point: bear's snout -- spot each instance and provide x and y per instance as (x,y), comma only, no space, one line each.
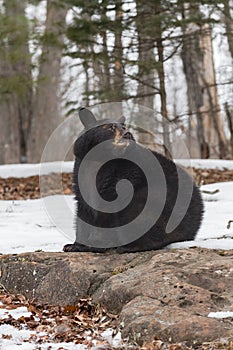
(122,139)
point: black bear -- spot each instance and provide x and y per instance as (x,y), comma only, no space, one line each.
(162,207)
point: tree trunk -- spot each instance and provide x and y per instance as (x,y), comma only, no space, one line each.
(163,97)
(15,84)
(191,63)
(211,115)
(229,25)
(46,114)
(197,56)
(101,64)
(146,74)
(229,114)
(118,78)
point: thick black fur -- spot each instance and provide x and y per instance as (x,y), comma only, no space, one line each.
(118,169)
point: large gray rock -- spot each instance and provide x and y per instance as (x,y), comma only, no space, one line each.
(166,293)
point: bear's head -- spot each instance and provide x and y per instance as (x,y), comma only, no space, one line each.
(98,131)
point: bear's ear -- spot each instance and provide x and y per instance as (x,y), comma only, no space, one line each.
(87,118)
(121,120)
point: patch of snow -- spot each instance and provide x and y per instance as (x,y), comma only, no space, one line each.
(26,226)
(15,313)
(214,233)
(221,314)
(206,163)
(25,339)
(26,170)
(115,341)
(19,339)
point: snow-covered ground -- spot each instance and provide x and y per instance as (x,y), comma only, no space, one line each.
(26,170)
(26,339)
(206,163)
(214,233)
(30,225)
(47,224)
(19,339)
(26,226)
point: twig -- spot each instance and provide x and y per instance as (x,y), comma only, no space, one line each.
(3,288)
(210,192)
(229,224)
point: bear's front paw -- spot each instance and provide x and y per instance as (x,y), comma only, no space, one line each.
(72,248)
(76,247)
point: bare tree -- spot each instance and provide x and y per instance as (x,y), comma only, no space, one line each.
(197,56)
(229,25)
(15,84)
(101,61)
(146,71)
(46,114)
(229,114)
(163,94)
(118,83)
(211,114)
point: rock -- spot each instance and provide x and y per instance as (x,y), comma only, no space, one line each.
(166,294)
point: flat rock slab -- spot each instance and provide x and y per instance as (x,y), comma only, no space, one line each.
(166,293)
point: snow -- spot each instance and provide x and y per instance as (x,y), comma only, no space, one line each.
(47,224)
(218,211)
(15,313)
(221,314)
(115,341)
(206,163)
(19,339)
(214,233)
(13,338)
(25,226)
(26,170)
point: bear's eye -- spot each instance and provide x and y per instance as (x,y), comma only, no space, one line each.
(112,127)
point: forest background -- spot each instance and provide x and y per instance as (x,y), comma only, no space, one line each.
(173,57)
